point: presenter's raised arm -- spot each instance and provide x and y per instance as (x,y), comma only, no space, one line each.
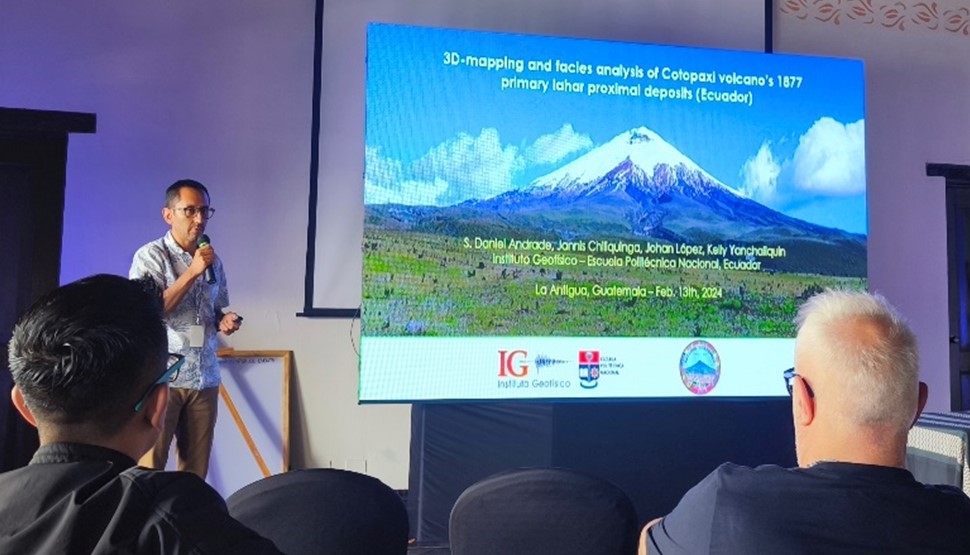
(174,294)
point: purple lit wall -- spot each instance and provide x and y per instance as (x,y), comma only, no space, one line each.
(181,89)
(218,91)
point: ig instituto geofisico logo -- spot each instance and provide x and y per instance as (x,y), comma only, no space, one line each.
(516,365)
(513,364)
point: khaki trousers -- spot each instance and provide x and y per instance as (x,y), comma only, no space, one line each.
(191,418)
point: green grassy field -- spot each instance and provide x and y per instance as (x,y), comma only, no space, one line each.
(423,284)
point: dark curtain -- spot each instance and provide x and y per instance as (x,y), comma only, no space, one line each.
(33,170)
(19,439)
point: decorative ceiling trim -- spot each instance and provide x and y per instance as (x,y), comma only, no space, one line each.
(897,15)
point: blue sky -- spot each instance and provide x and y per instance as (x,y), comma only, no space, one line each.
(439,133)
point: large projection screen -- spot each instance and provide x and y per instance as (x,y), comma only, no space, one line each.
(561,218)
(332,285)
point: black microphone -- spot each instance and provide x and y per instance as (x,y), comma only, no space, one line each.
(209,275)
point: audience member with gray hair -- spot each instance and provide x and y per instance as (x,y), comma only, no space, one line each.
(855,394)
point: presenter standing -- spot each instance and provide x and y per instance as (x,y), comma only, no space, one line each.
(195,296)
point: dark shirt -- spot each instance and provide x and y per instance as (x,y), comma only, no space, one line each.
(828,508)
(75,499)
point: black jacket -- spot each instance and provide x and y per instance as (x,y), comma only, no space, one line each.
(75,498)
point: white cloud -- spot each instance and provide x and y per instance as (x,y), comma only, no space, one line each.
(831,158)
(463,167)
(473,167)
(379,170)
(553,147)
(760,175)
(375,194)
(414,193)
(383,183)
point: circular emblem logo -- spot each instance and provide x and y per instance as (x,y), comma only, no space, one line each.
(700,367)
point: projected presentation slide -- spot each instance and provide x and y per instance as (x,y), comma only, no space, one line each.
(555,218)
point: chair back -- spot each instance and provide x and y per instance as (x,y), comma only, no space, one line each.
(543,511)
(324,511)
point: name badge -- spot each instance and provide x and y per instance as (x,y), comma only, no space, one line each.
(196,335)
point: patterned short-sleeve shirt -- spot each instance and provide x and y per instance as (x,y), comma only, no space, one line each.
(164,261)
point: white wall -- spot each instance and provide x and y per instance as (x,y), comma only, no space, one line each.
(220,91)
(917,111)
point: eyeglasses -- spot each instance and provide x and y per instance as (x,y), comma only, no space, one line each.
(193,211)
(169,375)
(790,375)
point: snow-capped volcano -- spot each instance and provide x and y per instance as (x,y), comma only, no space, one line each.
(639,150)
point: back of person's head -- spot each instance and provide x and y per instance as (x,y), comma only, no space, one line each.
(84,353)
(863,343)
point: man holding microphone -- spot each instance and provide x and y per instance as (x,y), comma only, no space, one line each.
(195,296)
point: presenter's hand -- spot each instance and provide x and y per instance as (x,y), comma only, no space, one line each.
(229,323)
(203,258)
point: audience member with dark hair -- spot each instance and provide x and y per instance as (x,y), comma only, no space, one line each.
(91,372)
(855,394)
